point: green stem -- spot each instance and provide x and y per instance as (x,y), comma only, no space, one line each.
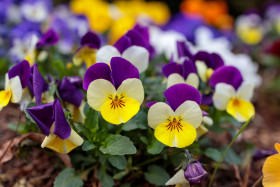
(224,153)
(119,130)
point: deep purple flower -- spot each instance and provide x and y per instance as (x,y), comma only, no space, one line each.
(49,38)
(212,60)
(183,50)
(194,172)
(182,69)
(22,70)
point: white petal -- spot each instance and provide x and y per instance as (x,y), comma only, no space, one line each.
(245,91)
(98,91)
(190,112)
(173,79)
(223,93)
(178,178)
(75,138)
(138,56)
(132,88)
(207,120)
(201,70)
(48,139)
(16,89)
(6,82)
(193,80)
(159,113)
(105,53)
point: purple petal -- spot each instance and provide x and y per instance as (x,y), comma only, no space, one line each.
(172,67)
(97,71)
(212,60)
(226,74)
(137,39)
(179,93)
(149,104)
(188,67)
(76,80)
(144,31)
(194,172)
(49,38)
(217,61)
(122,70)
(70,93)
(39,84)
(204,113)
(61,126)
(43,116)
(183,50)
(123,43)
(91,39)
(207,99)
(22,70)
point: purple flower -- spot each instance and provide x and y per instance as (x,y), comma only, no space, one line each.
(194,172)
(22,70)
(49,38)
(212,60)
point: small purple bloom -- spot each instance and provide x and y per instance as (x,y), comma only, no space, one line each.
(212,60)
(49,38)
(182,69)
(183,50)
(91,40)
(194,172)
(48,114)
(22,70)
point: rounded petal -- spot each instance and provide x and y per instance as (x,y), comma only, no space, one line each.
(159,113)
(188,68)
(193,80)
(201,70)
(16,89)
(271,171)
(173,79)
(181,137)
(132,88)
(105,53)
(223,94)
(98,92)
(277,147)
(122,114)
(190,113)
(138,56)
(240,109)
(92,39)
(171,68)
(245,91)
(22,70)
(5,97)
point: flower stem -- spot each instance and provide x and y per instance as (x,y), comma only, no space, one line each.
(224,153)
(258,181)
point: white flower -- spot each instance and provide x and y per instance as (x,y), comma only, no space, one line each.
(36,12)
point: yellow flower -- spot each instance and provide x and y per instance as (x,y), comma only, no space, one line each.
(271,169)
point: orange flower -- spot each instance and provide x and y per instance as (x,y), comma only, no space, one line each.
(271,169)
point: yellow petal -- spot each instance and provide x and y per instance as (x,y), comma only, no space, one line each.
(119,113)
(5,97)
(86,54)
(277,147)
(176,136)
(240,109)
(271,171)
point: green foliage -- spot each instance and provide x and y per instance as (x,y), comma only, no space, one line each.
(88,145)
(106,180)
(118,161)
(68,178)
(157,175)
(212,153)
(91,121)
(155,147)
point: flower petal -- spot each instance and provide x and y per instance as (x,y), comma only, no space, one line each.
(171,68)
(91,39)
(271,171)
(240,109)
(193,80)
(183,50)
(190,113)
(61,126)
(245,91)
(123,43)
(159,113)
(105,53)
(5,97)
(39,84)
(223,94)
(188,68)
(173,79)
(98,92)
(201,70)
(138,56)
(178,178)
(132,88)
(22,70)
(16,89)
(179,93)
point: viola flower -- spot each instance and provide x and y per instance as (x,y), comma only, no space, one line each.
(50,118)
(181,73)
(175,122)
(132,47)
(117,92)
(90,43)
(271,169)
(194,172)
(232,94)
(48,39)
(16,79)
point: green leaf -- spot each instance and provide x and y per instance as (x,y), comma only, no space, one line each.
(68,178)
(231,157)
(212,153)
(106,180)
(155,147)
(88,145)
(157,175)
(118,162)
(118,145)
(91,120)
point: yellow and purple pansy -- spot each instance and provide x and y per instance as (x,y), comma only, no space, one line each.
(15,81)
(50,118)
(232,94)
(175,122)
(132,46)
(90,43)
(114,90)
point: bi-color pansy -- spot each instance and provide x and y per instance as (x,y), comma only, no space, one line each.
(175,122)
(50,118)
(114,90)
(232,94)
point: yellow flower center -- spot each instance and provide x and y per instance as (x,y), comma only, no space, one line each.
(117,101)
(209,73)
(175,124)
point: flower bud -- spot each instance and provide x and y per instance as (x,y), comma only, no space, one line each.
(194,172)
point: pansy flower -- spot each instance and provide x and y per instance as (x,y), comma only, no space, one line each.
(49,38)
(132,47)
(181,73)
(50,118)
(16,79)
(175,121)
(271,169)
(114,90)
(232,94)
(90,43)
